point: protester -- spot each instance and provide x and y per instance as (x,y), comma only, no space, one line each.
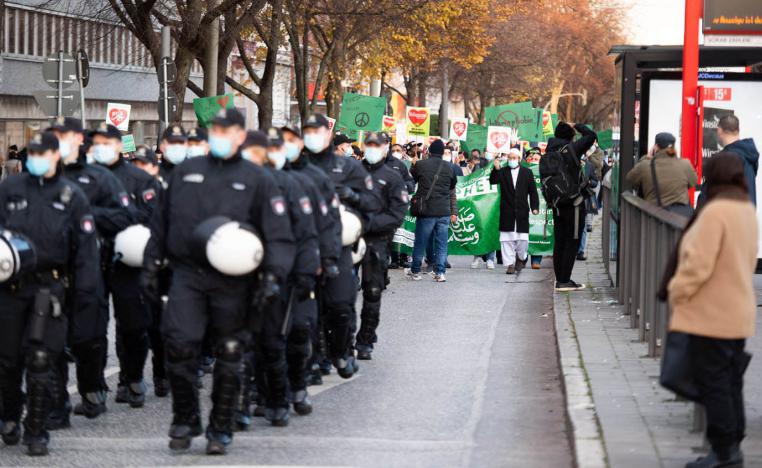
(662,178)
(436,183)
(728,131)
(448,157)
(568,215)
(711,293)
(592,167)
(518,193)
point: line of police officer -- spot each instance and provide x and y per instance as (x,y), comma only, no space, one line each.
(249,250)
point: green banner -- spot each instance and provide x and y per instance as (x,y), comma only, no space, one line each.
(477,230)
(540,225)
(476,138)
(207,107)
(521,115)
(606,139)
(359,112)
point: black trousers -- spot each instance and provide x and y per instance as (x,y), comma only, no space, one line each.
(304,323)
(133,318)
(18,353)
(374,267)
(269,327)
(338,297)
(568,223)
(718,367)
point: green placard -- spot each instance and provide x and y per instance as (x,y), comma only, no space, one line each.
(606,139)
(540,225)
(476,138)
(207,107)
(521,115)
(128,143)
(360,112)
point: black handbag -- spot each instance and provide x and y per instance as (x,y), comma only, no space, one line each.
(418,203)
(677,366)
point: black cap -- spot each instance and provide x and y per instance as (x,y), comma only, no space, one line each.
(145,155)
(274,137)
(109,131)
(66,124)
(175,134)
(229,118)
(42,142)
(198,134)
(437,147)
(374,138)
(316,121)
(255,138)
(292,129)
(564,131)
(340,139)
(665,140)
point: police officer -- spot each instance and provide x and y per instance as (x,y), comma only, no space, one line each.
(110,206)
(174,150)
(378,233)
(200,191)
(273,323)
(330,241)
(54,215)
(354,188)
(130,311)
(197,142)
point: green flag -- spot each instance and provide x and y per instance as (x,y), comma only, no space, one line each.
(540,225)
(521,116)
(476,138)
(360,112)
(207,107)
(606,139)
(477,230)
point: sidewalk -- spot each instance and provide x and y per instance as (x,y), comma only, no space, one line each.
(630,421)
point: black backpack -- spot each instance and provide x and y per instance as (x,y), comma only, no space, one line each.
(562,178)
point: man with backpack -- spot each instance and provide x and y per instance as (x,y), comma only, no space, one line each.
(565,188)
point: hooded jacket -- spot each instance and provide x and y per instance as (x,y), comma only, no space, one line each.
(747,150)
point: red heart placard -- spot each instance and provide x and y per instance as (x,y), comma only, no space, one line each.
(223,101)
(545,119)
(459,128)
(499,139)
(117,116)
(417,116)
(388,121)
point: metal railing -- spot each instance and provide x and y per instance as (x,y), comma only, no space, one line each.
(647,237)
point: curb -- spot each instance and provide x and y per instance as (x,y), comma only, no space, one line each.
(584,428)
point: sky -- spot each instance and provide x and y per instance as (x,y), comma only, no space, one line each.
(655,21)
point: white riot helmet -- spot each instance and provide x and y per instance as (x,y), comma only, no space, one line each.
(351,226)
(16,255)
(359,251)
(231,247)
(130,244)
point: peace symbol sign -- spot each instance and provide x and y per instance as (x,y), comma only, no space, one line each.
(362,119)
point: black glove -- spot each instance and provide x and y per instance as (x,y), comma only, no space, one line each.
(347,195)
(149,285)
(580,127)
(330,269)
(267,291)
(304,285)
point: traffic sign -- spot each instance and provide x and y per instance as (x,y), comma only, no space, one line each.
(48,101)
(67,71)
(83,68)
(171,75)
(171,106)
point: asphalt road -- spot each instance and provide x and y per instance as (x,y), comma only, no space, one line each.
(465,375)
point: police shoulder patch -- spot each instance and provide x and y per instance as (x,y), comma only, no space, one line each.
(335,202)
(306,205)
(124,199)
(323,207)
(149,195)
(404,196)
(87,224)
(278,205)
(369,182)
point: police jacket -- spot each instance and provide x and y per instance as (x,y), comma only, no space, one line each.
(201,188)
(393,193)
(55,216)
(109,201)
(300,210)
(165,169)
(402,170)
(141,187)
(329,239)
(348,173)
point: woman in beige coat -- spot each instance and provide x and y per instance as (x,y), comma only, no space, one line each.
(713,301)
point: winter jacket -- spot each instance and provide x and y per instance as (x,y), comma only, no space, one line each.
(423,173)
(747,150)
(675,177)
(515,202)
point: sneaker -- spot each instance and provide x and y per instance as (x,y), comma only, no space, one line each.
(520,264)
(535,266)
(578,285)
(412,276)
(475,264)
(510,270)
(490,265)
(570,286)
(581,257)
(440,278)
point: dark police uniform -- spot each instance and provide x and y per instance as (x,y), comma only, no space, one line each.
(378,233)
(55,216)
(202,297)
(132,315)
(354,187)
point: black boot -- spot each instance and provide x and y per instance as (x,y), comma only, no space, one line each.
(182,431)
(122,394)
(161,387)
(364,352)
(39,380)
(11,433)
(277,416)
(93,405)
(346,366)
(713,460)
(302,402)
(36,445)
(217,442)
(136,394)
(227,385)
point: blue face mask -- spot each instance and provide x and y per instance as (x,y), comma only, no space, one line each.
(220,147)
(277,158)
(176,153)
(38,165)
(196,151)
(513,164)
(315,142)
(104,154)
(292,151)
(373,154)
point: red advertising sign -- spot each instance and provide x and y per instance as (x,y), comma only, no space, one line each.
(718,94)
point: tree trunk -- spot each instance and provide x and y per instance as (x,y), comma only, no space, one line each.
(183,61)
